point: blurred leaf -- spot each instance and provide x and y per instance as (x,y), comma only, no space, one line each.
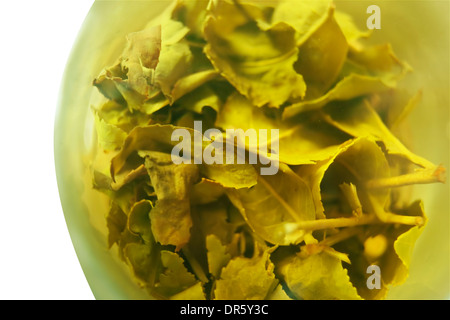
(109,136)
(305,17)
(319,65)
(369,70)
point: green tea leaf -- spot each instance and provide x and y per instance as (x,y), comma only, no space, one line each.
(258,63)
(143,262)
(348,27)
(140,58)
(155,69)
(301,141)
(149,138)
(217,255)
(319,65)
(359,119)
(246,278)
(319,276)
(175,278)
(175,57)
(278,294)
(116,221)
(192,293)
(117,114)
(352,86)
(404,244)
(191,82)
(273,206)
(192,14)
(109,136)
(305,16)
(378,60)
(199,99)
(370,70)
(356,162)
(213,219)
(236,176)
(206,191)
(170,218)
(139,220)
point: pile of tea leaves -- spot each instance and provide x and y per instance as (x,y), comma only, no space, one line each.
(338,202)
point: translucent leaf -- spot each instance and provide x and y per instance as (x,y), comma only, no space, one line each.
(217,255)
(109,136)
(116,221)
(278,294)
(140,57)
(274,205)
(300,141)
(192,293)
(206,191)
(170,218)
(349,28)
(404,244)
(319,276)
(352,86)
(246,278)
(143,261)
(175,278)
(322,56)
(258,63)
(359,119)
(236,176)
(369,70)
(149,138)
(304,16)
(139,220)
(356,162)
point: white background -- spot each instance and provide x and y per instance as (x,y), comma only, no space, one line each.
(37,259)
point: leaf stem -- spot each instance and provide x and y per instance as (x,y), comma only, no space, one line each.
(350,193)
(320,224)
(421,176)
(387,217)
(365,219)
(340,236)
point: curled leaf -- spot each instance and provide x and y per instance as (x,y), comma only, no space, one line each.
(170,218)
(257,62)
(246,278)
(274,205)
(319,276)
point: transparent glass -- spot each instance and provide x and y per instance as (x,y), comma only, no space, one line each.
(419,33)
